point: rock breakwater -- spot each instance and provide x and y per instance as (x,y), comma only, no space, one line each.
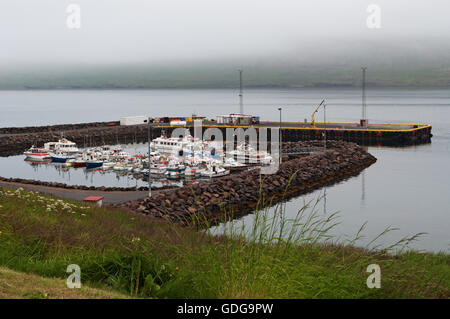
(245,189)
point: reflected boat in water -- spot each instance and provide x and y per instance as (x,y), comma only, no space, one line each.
(37,161)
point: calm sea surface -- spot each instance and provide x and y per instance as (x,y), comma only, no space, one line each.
(407,188)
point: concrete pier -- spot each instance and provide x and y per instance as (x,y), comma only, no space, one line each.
(16,140)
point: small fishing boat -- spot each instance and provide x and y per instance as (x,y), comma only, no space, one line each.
(37,153)
(175,169)
(192,171)
(61,157)
(120,168)
(69,162)
(215,171)
(232,164)
(94,163)
(79,162)
(246,154)
(158,169)
(108,165)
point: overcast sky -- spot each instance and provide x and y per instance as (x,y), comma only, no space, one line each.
(35,31)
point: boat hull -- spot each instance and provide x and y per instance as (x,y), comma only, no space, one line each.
(94,164)
(79,164)
(57,159)
(37,157)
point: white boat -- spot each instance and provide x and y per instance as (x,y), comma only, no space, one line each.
(122,155)
(246,154)
(108,165)
(230,162)
(36,153)
(158,169)
(63,145)
(192,171)
(215,171)
(178,147)
(120,167)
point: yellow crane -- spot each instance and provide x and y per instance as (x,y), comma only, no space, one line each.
(313,122)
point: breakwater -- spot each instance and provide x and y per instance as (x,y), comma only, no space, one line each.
(58,127)
(80,187)
(14,140)
(85,135)
(242,191)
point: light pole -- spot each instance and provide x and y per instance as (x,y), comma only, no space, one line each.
(280,141)
(241,95)
(325,126)
(364,113)
(149,166)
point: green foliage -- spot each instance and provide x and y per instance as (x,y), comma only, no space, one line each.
(274,258)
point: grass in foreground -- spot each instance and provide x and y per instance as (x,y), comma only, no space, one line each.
(17,285)
(143,257)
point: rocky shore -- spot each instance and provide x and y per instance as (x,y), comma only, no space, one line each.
(79,187)
(13,141)
(52,128)
(243,190)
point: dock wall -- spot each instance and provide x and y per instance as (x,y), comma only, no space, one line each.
(15,140)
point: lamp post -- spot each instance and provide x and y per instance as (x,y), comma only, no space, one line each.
(325,126)
(280,141)
(364,113)
(149,174)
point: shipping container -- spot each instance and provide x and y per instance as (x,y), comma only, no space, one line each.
(133,120)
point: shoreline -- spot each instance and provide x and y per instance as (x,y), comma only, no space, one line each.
(238,191)
(243,191)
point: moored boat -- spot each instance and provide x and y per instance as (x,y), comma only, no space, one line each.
(61,157)
(94,163)
(37,153)
(108,165)
(215,171)
(79,162)
(63,145)
(69,162)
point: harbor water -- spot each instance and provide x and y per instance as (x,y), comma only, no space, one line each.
(407,188)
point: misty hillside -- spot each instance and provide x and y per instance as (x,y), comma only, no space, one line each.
(406,64)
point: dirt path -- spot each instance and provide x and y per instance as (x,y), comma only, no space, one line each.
(79,195)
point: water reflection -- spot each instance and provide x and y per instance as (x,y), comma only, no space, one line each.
(92,176)
(363,188)
(45,170)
